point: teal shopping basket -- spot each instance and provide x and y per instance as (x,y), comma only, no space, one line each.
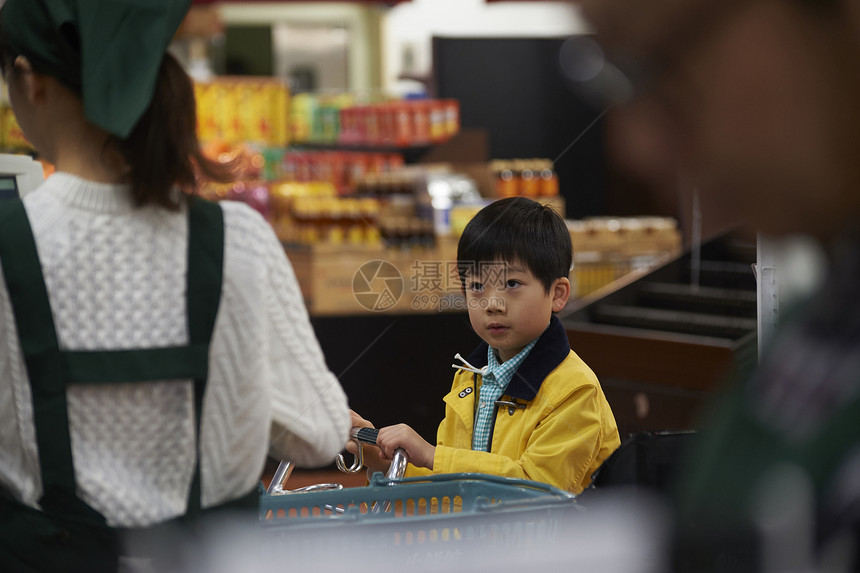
(419,518)
(433,515)
(408,497)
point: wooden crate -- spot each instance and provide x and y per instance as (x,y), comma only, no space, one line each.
(354,280)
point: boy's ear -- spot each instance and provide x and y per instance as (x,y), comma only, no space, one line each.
(560,293)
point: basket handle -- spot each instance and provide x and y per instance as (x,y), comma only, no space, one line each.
(359,436)
(368,436)
(378,480)
(282,474)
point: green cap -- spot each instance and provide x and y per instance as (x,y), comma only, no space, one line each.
(109,50)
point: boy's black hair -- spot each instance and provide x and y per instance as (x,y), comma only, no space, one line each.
(517,229)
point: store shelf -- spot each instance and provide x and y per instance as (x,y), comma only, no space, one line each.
(411,153)
(659,345)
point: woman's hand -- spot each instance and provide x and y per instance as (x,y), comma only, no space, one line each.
(419,452)
(373,459)
(357,422)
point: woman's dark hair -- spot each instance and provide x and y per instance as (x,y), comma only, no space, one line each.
(162,149)
(521,230)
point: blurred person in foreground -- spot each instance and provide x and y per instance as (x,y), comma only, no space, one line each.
(154,347)
(757,104)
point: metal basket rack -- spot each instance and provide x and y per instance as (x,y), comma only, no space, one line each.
(439,519)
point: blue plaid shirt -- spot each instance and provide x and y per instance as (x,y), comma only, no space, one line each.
(494,381)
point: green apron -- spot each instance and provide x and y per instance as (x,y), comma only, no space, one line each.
(68,535)
(731,464)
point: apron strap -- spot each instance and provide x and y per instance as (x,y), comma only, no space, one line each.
(37,335)
(144,365)
(205,270)
(51,370)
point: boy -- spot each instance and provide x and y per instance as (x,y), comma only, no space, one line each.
(523,405)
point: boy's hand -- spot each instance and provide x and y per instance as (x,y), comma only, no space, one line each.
(419,452)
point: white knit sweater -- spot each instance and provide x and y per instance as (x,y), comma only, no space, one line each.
(115,276)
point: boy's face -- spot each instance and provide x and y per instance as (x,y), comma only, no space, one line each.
(508,306)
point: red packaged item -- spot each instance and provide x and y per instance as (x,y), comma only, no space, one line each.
(421,122)
(358,168)
(359,118)
(403,131)
(325,168)
(371,122)
(339,162)
(303,166)
(347,125)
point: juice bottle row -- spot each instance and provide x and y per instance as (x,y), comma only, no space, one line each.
(400,123)
(305,213)
(334,220)
(341,169)
(349,120)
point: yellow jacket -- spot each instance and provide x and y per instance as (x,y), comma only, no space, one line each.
(559,434)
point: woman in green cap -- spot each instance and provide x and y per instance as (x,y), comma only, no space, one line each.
(154,347)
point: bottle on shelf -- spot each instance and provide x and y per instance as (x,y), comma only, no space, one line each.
(548,179)
(527,182)
(505,181)
(532,178)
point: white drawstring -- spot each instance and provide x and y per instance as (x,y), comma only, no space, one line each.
(467,366)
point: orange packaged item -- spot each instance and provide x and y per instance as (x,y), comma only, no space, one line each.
(549,182)
(452,116)
(438,121)
(378,163)
(505,182)
(529,183)
(395,161)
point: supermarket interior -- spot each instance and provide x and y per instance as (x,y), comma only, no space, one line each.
(369,133)
(373,131)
